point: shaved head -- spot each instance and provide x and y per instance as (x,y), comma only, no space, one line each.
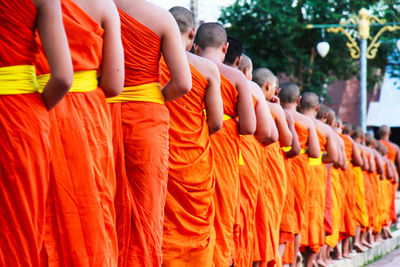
(383,131)
(309,100)
(330,116)
(184,18)
(235,50)
(245,63)
(263,75)
(357,133)
(347,128)
(322,112)
(289,93)
(211,34)
(369,140)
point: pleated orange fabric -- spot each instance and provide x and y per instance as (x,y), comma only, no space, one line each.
(361,208)
(24,152)
(312,235)
(140,137)
(81,217)
(188,234)
(301,167)
(225,145)
(87,150)
(392,157)
(287,228)
(249,173)
(276,195)
(332,240)
(348,222)
(328,204)
(369,201)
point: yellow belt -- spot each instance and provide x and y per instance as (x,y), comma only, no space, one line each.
(288,148)
(84,81)
(315,161)
(149,92)
(15,80)
(227,117)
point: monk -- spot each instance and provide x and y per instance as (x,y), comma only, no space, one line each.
(140,128)
(250,171)
(306,132)
(25,124)
(189,236)
(362,188)
(394,156)
(274,173)
(81,218)
(211,43)
(314,234)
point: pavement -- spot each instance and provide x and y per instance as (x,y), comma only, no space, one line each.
(390,260)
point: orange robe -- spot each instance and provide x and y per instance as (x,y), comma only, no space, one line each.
(188,234)
(392,157)
(332,240)
(369,201)
(361,208)
(328,203)
(140,137)
(81,217)
(225,145)
(312,236)
(347,180)
(24,135)
(276,195)
(249,173)
(298,182)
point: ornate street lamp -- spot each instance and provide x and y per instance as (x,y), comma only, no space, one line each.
(363,22)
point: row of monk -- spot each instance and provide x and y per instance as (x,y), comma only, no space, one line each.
(120,148)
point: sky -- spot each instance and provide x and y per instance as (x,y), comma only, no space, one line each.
(209,10)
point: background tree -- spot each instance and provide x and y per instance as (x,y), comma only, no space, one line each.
(274,36)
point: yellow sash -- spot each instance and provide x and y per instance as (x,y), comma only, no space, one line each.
(149,92)
(317,161)
(84,81)
(288,148)
(15,80)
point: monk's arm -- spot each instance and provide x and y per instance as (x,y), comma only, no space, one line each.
(357,160)
(397,160)
(285,136)
(379,164)
(112,66)
(55,46)
(265,123)
(176,60)
(247,118)
(331,154)
(365,165)
(314,150)
(296,148)
(213,100)
(372,163)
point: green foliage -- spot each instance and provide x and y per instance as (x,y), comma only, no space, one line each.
(274,36)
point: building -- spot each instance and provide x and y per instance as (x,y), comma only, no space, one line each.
(207,10)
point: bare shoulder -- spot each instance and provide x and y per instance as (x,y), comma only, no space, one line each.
(257,91)
(395,145)
(324,129)
(206,67)
(276,108)
(233,75)
(304,120)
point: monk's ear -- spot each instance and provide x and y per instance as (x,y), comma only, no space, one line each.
(192,34)
(196,49)
(316,109)
(225,47)
(238,61)
(298,100)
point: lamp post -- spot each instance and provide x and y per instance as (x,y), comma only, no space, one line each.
(362,23)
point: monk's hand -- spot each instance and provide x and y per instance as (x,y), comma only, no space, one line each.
(275,99)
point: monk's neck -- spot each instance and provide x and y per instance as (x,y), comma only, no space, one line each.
(308,113)
(385,138)
(290,106)
(212,54)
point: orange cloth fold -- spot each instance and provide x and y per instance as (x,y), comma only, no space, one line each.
(332,240)
(189,236)
(361,208)
(312,235)
(25,148)
(140,138)
(81,217)
(328,204)
(225,145)
(249,174)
